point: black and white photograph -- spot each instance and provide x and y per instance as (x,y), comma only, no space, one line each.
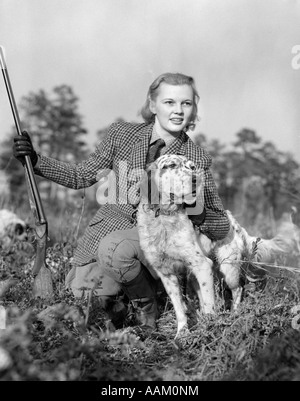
(149,193)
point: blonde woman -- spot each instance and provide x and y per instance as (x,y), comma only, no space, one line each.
(111,236)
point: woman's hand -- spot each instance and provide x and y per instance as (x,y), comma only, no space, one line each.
(23,147)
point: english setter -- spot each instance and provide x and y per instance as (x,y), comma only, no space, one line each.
(12,228)
(169,240)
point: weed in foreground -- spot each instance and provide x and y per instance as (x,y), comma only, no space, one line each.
(68,338)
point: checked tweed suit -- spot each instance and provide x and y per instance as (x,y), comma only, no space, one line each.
(124,150)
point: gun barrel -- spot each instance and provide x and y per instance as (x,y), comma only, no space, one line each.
(37,204)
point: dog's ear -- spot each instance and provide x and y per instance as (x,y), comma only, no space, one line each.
(10,230)
(200,185)
(148,187)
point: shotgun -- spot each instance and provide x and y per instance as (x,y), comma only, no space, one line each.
(42,286)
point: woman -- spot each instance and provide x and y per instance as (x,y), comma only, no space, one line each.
(169,111)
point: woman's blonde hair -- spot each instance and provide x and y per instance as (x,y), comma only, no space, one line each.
(171,79)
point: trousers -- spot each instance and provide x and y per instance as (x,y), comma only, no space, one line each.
(119,260)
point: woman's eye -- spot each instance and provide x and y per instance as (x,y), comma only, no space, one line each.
(172,165)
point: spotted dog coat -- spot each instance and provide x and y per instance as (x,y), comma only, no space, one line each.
(169,240)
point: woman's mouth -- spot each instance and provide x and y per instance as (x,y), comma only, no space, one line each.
(177,121)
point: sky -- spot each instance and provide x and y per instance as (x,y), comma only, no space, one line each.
(240,53)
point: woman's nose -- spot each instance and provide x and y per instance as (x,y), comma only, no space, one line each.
(178,109)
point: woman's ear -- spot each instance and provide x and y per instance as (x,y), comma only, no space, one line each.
(152,106)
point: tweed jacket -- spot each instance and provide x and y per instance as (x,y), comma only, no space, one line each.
(124,150)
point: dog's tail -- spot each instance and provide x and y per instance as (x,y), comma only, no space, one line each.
(264,253)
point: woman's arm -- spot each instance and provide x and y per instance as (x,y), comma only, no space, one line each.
(83,174)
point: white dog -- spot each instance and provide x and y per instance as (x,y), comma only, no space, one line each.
(12,228)
(169,240)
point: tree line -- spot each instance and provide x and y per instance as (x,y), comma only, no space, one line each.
(253,177)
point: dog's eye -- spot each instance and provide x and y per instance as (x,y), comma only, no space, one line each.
(172,165)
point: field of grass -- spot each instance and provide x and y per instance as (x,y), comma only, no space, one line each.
(67,339)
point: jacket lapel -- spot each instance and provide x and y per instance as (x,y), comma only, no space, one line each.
(140,148)
(137,163)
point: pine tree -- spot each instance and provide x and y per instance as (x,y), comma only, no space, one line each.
(56,129)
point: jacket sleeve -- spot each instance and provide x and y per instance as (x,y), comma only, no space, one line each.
(216,223)
(83,174)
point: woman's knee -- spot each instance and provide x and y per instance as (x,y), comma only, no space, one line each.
(119,257)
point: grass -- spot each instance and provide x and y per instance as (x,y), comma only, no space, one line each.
(66,339)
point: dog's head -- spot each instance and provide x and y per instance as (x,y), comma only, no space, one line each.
(12,228)
(173,179)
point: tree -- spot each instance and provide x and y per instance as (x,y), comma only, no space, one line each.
(55,124)
(56,129)
(282,175)
(247,139)
(277,170)
(14,173)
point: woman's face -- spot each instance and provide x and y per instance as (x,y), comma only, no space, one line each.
(173,107)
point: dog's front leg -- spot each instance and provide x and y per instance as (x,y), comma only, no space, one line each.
(202,269)
(236,298)
(172,287)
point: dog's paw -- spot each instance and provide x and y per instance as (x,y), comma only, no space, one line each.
(182,339)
